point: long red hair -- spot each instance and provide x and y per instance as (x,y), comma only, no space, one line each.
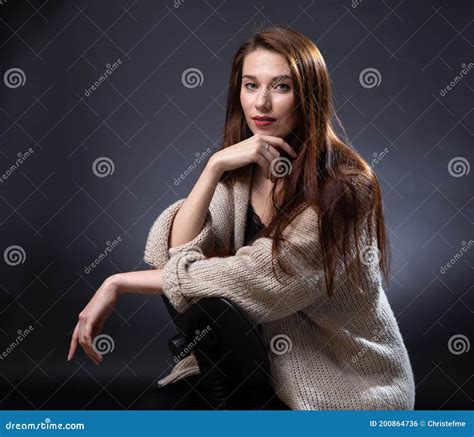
(328,174)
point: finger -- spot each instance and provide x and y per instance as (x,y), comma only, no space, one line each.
(73,345)
(91,355)
(83,342)
(271,149)
(88,339)
(281,143)
(269,154)
(276,156)
(89,352)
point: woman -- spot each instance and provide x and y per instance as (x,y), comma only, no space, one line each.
(311,272)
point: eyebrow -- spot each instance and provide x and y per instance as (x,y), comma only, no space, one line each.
(281,77)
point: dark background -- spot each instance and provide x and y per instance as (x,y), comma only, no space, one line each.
(61,215)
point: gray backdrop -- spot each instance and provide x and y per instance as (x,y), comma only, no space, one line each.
(85,170)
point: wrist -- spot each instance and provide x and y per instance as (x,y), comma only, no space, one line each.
(213,168)
(114,284)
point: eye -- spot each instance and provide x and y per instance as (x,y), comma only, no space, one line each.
(247,85)
(286,87)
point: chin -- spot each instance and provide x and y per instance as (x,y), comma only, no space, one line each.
(272,132)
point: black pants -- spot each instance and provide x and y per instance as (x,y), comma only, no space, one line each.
(187,394)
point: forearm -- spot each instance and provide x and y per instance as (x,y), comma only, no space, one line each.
(141,282)
(191,216)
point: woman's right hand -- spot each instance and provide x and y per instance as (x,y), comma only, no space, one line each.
(92,319)
(251,150)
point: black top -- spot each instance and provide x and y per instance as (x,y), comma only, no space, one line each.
(253,225)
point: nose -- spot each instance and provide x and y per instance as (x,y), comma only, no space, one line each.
(263,102)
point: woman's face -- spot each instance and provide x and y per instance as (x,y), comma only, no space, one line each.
(267,93)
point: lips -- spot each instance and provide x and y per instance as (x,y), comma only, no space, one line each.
(262,121)
(263,118)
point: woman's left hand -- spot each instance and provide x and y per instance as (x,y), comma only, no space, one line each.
(92,319)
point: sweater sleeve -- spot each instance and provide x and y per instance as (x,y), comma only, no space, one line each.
(157,250)
(247,278)
(215,231)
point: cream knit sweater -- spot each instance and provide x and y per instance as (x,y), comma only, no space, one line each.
(343,352)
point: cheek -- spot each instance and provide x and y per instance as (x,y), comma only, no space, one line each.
(244,102)
(287,108)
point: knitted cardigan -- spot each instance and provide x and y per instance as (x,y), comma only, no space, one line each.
(343,352)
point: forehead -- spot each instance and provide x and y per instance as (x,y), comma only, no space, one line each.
(265,64)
